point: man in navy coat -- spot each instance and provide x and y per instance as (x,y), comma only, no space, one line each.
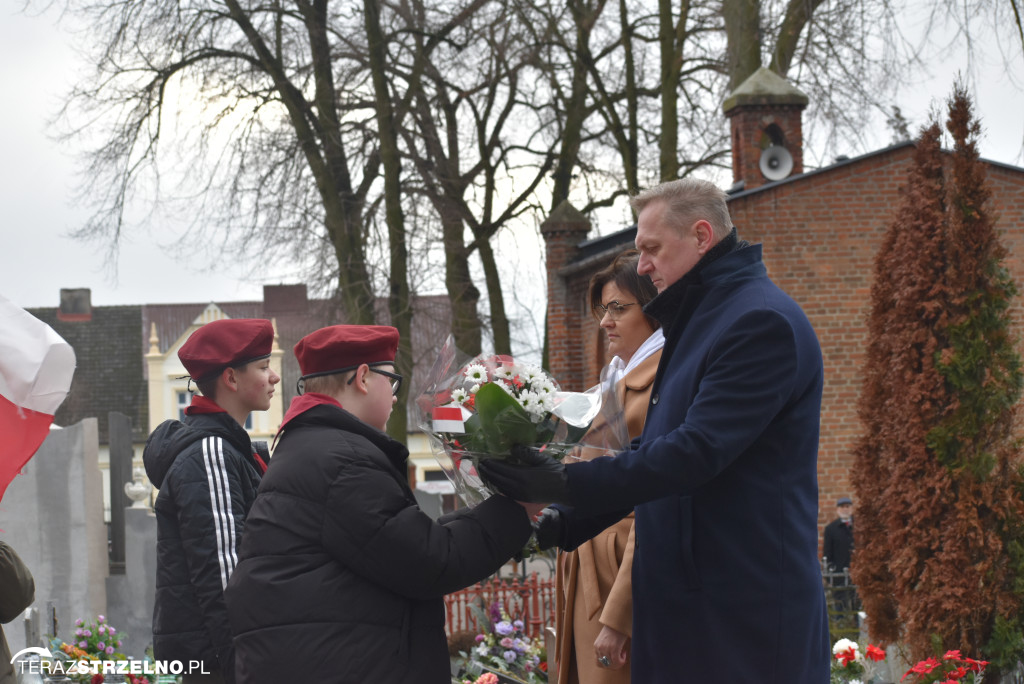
(726,583)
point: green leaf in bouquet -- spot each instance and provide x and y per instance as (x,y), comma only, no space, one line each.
(503,422)
(474,441)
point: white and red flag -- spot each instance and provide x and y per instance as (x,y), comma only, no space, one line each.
(450,418)
(36,366)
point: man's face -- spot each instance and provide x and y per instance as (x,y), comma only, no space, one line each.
(667,252)
(845,511)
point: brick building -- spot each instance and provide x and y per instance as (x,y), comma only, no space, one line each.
(820,232)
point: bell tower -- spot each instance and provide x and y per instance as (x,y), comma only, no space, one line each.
(765,121)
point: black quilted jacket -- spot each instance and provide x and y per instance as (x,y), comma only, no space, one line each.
(342,576)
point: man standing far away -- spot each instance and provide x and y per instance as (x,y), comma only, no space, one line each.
(208,472)
(838,546)
(726,581)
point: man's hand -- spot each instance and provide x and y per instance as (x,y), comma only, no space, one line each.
(530,475)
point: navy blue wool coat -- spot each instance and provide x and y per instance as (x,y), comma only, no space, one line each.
(726,582)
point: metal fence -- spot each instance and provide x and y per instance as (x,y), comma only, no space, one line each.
(843,604)
(530,599)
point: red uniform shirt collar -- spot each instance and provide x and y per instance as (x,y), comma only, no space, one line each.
(303,403)
(201,404)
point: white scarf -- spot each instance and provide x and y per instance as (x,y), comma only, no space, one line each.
(618,369)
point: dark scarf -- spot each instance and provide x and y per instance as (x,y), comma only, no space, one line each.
(665,306)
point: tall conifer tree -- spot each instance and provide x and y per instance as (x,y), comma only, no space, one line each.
(938,558)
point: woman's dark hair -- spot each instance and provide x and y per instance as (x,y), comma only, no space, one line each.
(622,272)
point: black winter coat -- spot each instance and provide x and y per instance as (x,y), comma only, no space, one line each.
(208,479)
(342,576)
(838,546)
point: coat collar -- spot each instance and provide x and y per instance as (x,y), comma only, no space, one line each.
(333,415)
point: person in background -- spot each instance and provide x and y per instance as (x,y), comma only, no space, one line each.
(594,612)
(838,552)
(838,545)
(17,592)
(207,471)
(342,577)
(726,578)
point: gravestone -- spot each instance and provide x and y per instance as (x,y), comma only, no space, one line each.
(52,515)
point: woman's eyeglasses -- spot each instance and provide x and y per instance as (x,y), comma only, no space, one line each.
(396,379)
(613,309)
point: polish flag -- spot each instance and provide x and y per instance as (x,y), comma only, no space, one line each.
(36,366)
(450,418)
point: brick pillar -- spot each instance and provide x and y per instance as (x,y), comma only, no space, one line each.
(563,231)
(764,110)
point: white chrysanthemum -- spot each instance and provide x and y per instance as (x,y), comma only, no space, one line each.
(529,373)
(459,395)
(532,402)
(845,645)
(547,402)
(505,372)
(476,373)
(474,389)
(505,386)
(542,385)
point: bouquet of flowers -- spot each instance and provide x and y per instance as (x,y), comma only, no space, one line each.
(94,641)
(503,648)
(480,408)
(850,666)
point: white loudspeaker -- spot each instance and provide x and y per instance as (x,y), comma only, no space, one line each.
(776,163)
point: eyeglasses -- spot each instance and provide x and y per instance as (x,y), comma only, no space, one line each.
(396,379)
(613,309)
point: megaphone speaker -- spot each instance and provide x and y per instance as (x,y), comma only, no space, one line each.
(776,163)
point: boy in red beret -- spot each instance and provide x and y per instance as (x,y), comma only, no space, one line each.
(342,577)
(208,472)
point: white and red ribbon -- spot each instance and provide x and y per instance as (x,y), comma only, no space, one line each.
(450,418)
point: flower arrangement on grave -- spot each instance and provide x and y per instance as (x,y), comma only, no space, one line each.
(93,641)
(503,648)
(850,666)
(481,408)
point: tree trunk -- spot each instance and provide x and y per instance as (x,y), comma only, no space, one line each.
(499,319)
(399,303)
(743,39)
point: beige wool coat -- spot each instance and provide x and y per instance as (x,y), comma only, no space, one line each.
(593,583)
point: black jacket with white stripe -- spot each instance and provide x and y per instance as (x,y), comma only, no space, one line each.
(207,479)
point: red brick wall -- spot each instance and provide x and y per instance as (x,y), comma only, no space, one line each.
(820,233)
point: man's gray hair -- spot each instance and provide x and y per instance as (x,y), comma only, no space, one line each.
(687,201)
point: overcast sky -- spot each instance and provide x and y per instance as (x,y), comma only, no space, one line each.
(37,178)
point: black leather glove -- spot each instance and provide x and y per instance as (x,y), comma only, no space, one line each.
(549,529)
(529,475)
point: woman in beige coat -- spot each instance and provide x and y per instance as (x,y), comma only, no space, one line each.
(594,611)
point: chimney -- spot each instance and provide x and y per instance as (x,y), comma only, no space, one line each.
(765,114)
(75,304)
(563,231)
(284,299)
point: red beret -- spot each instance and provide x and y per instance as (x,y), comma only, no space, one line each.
(226,342)
(343,347)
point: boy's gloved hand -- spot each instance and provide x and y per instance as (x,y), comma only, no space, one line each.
(549,528)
